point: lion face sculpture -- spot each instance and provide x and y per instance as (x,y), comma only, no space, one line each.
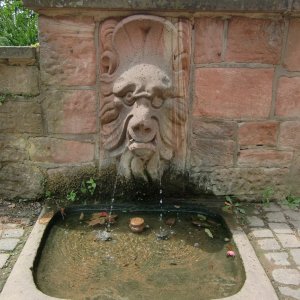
(143,118)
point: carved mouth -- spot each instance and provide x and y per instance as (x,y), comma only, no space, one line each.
(142,150)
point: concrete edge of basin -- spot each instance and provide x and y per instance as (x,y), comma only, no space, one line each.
(20,284)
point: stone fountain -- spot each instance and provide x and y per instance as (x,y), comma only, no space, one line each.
(136,69)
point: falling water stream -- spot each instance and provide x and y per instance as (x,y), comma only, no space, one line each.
(106,234)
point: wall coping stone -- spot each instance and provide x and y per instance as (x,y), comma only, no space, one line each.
(17,52)
(279,6)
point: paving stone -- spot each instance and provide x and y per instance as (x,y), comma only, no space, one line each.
(275,217)
(288,240)
(293,214)
(255,221)
(13,233)
(287,276)
(287,291)
(9,225)
(3,259)
(280,228)
(8,244)
(295,253)
(268,244)
(296,224)
(278,258)
(262,232)
(271,207)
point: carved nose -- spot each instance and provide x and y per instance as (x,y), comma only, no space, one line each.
(142,130)
(141,127)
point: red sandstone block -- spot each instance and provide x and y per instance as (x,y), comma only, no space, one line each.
(60,151)
(209,153)
(292,53)
(258,133)
(288,96)
(289,135)
(67,50)
(71,111)
(208,40)
(233,92)
(214,129)
(264,158)
(254,40)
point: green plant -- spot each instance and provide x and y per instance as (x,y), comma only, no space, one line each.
(7,96)
(292,201)
(267,195)
(18,25)
(91,186)
(72,196)
(232,206)
(88,186)
(48,194)
(2,99)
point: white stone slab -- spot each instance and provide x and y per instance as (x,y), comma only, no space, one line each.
(287,276)
(295,253)
(8,244)
(13,233)
(268,244)
(280,228)
(275,217)
(255,221)
(288,240)
(3,259)
(287,291)
(262,232)
(278,258)
(293,214)
(271,207)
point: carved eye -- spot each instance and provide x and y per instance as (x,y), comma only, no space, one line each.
(128,98)
(157,102)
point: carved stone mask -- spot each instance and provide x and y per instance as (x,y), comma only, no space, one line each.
(143,114)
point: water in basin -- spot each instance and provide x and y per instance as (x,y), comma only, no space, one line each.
(75,263)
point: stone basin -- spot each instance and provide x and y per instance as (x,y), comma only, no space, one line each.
(23,281)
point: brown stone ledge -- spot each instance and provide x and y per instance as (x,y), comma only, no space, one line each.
(18,55)
(280,6)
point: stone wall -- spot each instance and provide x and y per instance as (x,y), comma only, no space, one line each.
(245,129)
(20,120)
(244,102)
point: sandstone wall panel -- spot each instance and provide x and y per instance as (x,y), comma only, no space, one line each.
(19,80)
(72,112)
(60,151)
(67,51)
(21,117)
(288,96)
(208,40)
(237,93)
(254,40)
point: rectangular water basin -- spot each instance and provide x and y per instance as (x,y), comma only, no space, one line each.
(183,259)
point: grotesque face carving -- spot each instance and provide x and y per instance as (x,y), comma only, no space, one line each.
(143,118)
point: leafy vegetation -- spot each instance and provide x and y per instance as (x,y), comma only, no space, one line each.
(232,206)
(72,196)
(87,190)
(267,195)
(18,25)
(292,201)
(236,208)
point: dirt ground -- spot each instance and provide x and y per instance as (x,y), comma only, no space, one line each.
(17,215)
(14,212)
